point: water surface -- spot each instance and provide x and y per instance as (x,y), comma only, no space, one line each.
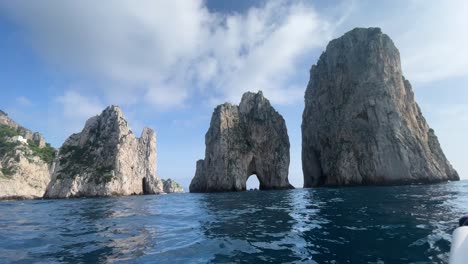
(406,224)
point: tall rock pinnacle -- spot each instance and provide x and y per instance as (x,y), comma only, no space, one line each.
(361,124)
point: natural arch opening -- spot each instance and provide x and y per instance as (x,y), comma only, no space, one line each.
(253,183)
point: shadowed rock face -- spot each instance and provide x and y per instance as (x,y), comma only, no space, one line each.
(106,159)
(361,124)
(243,140)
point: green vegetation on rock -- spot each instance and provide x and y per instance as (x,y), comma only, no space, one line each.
(75,154)
(174,183)
(7,171)
(73,158)
(104,175)
(6,146)
(46,153)
(70,159)
(6,131)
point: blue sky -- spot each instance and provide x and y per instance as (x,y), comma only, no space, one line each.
(169,63)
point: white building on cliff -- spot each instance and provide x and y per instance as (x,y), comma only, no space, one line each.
(20,139)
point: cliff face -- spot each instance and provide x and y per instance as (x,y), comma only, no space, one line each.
(243,140)
(25,161)
(361,124)
(35,137)
(106,159)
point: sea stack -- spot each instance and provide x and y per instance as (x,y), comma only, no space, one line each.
(171,186)
(26,161)
(244,140)
(361,124)
(106,159)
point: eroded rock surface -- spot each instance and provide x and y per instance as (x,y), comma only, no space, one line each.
(25,161)
(243,140)
(106,159)
(171,186)
(27,134)
(361,124)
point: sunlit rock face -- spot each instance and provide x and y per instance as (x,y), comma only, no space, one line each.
(25,161)
(243,140)
(106,159)
(361,124)
(27,134)
(171,186)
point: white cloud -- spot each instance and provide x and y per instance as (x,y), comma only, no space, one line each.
(70,112)
(434,43)
(269,49)
(23,101)
(163,52)
(430,34)
(76,106)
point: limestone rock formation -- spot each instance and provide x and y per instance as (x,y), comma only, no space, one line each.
(170,186)
(361,124)
(25,163)
(106,159)
(243,140)
(35,137)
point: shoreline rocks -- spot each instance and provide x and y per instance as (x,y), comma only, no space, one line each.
(25,161)
(361,124)
(243,140)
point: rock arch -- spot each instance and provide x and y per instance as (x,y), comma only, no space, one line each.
(252,182)
(243,140)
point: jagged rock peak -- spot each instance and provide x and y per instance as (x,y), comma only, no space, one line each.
(250,100)
(106,159)
(243,140)
(361,124)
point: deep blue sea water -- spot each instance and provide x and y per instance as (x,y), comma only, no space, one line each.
(405,224)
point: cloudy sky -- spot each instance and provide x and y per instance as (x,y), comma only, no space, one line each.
(169,63)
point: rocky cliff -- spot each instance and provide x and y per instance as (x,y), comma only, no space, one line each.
(29,135)
(361,124)
(25,161)
(243,140)
(170,186)
(106,159)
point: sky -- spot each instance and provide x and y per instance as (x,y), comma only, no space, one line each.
(167,64)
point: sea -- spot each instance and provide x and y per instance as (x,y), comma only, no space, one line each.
(399,224)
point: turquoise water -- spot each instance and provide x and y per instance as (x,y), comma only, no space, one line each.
(407,224)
